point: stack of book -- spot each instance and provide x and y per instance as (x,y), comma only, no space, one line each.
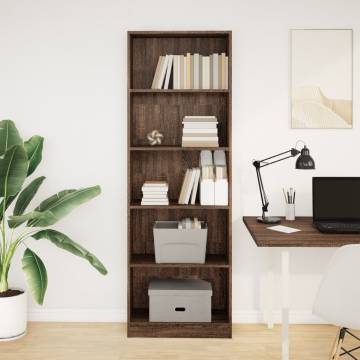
(200,131)
(192,71)
(189,186)
(155,193)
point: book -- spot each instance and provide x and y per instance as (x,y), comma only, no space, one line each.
(182,73)
(189,186)
(176,68)
(157,71)
(154,202)
(188,71)
(205,72)
(195,187)
(168,71)
(222,70)
(215,71)
(191,71)
(196,71)
(156,183)
(199,117)
(199,131)
(162,72)
(199,144)
(200,125)
(183,186)
(226,73)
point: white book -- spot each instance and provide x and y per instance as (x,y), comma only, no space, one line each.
(155,196)
(215,71)
(183,186)
(175,72)
(221,189)
(195,187)
(200,117)
(189,186)
(199,131)
(168,72)
(154,203)
(205,72)
(196,71)
(163,72)
(200,138)
(200,126)
(185,86)
(155,183)
(157,71)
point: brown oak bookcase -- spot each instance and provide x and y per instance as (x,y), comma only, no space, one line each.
(164,110)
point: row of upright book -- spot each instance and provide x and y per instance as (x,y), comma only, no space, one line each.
(192,71)
(200,131)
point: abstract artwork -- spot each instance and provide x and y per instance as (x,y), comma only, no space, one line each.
(321,79)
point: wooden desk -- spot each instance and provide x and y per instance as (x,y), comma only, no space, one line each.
(309,236)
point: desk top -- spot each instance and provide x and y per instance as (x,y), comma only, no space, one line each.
(309,236)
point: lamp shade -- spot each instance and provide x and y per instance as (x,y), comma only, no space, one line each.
(305,161)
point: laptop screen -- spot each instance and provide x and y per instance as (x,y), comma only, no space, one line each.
(336,198)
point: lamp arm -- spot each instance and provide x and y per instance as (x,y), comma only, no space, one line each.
(264,199)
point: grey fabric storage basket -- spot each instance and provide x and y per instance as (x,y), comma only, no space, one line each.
(173,245)
(180,300)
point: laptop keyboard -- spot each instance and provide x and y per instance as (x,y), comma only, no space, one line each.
(338,227)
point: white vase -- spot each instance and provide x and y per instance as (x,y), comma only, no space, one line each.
(13,316)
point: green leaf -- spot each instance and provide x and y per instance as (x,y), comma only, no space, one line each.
(9,201)
(27,195)
(36,276)
(64,242)
(15,221)
(62,203)
(9,136)
(33,148)
(13,170)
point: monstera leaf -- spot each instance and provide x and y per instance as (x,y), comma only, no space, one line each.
(13,170)
(9,136)
(64,242)
(33,148)
(36,275)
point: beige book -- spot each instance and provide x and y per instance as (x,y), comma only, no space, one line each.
(200,144)
(205,72)
(222,71)
(191,71)
(183,187)
(157,71)
(188,71)
(182,73)
(226,75)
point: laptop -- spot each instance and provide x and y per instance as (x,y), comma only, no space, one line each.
(336,204)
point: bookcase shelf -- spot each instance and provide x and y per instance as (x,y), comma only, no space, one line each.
(179,91)
(148,260)
(164,110)
(175,148)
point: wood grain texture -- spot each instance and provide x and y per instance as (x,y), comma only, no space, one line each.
(84,341)
(309,236)
(163,110)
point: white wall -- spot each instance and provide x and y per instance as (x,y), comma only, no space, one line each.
(63,75)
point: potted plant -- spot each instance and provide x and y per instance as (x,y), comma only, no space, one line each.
(18,161)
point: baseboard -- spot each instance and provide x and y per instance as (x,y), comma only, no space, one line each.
(77,315)
(117,315)
(295,317)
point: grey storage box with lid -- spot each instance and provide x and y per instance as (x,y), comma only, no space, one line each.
(180,300)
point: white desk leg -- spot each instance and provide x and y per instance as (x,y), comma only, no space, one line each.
(269,292)
(285,259)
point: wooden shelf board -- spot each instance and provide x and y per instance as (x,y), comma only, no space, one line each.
(148,260)
(178,91)
(175,205)
(175,148)
(142,316)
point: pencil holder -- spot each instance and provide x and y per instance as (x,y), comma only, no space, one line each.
(290,212)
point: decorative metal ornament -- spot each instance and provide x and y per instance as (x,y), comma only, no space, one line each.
(155,137)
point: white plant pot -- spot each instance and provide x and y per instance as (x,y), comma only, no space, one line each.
(13,316)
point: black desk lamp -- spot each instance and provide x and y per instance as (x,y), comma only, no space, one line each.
(303,162)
